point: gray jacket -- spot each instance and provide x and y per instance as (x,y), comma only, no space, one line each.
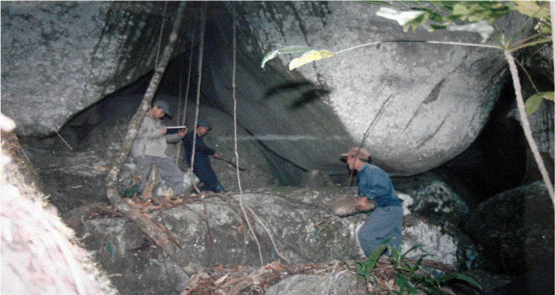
(150,141)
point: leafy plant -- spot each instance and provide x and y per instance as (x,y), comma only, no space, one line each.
(365,268)
(408,277)
(434,15)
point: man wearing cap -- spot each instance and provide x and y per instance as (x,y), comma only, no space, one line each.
(376,192)
(201,165)
(150,147)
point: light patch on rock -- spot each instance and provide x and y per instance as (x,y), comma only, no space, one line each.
(401,17)
(407,202)
(481,27)
(432,241)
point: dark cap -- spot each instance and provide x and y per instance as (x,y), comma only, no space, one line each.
(358,152)
(164,106)
(204,123)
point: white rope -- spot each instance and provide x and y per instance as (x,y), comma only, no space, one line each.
(186,92)
(197,109)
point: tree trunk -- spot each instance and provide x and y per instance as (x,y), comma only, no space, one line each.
(145,223)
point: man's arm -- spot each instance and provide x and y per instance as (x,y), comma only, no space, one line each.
(176,137)
(203,148)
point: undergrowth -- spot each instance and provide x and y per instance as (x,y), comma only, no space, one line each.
(408,277)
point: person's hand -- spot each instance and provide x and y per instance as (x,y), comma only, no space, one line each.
(164,130)
(217,156)
(182,132)
(364,204)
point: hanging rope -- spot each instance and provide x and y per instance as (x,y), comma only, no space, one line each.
(233,87)
(161,33)
(182,122)
(197,109)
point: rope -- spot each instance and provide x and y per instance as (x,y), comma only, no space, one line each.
(197,109)
(182,122)
(233,86)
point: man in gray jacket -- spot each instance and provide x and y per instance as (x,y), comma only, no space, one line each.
(150,147)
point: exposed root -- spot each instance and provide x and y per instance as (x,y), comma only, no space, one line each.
(231,279)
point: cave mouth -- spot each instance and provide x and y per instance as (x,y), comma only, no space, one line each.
(495,162)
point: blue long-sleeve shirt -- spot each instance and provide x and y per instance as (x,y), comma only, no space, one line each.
(375,184)
(202,151)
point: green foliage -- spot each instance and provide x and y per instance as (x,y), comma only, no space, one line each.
(309,54)
(129,192)
(365,268)
(284,50)
(450,12)
(409,279)
(534,101)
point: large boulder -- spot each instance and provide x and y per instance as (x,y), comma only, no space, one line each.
(413,105)
(60,57)
(514,230)
(291,225)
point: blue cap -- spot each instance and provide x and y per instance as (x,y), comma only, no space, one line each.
(204,123)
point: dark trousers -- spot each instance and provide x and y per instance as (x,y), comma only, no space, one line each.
(206,174)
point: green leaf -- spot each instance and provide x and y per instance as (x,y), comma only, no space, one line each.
(461,277)
(435,291)
(533,8)
(284,50)
(309,56)
(382,3)
(404,282)
(460,9)
(438,27)
(534,101)
(549,96)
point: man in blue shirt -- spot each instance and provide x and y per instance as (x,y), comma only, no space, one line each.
(376,192)
(201,166)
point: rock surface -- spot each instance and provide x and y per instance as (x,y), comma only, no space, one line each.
(514,230)
(292,226)
(58,58)
(414,105)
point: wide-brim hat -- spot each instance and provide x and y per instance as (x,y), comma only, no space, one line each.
(164,106)
(357,152)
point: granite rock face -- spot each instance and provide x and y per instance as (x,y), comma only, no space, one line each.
(292,226)
(58,58)
(413,105)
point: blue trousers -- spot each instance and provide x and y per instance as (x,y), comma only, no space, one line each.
(203,170)
(382,223)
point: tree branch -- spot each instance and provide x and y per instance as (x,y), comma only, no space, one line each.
(145,223)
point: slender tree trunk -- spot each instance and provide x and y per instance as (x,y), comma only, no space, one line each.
(153,229)
(526,125)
